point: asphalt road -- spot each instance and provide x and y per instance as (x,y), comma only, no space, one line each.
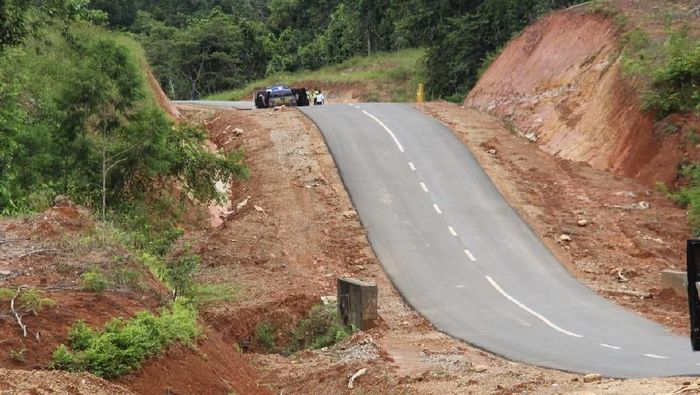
(239,105)
(464,259)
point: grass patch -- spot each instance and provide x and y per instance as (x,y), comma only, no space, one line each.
(122,345)
(321,328)
(400,72)
(213,293)
(265,336)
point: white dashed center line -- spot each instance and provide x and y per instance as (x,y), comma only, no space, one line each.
(393,136)
(425,188)
(437,209)
(655,356)
(610,346)
(452,230)
(529,310)
(410,164)
(461,286)
(470,255)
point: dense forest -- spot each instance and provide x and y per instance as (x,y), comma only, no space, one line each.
(198,48)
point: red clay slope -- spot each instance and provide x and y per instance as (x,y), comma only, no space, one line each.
(561,82)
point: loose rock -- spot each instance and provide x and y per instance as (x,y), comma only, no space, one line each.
(565,238)
(592,377)
(582,223)
(480,368)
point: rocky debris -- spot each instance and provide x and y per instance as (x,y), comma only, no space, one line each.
(591,378)
(350,214)
(237,132)
(641,206)
(626,194)
(480,368)
(365,350)
(259,209)
(492,152)
(564,238)
(582,223)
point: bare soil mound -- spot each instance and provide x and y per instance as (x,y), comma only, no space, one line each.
(560,83)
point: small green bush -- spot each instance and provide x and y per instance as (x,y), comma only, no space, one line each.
(123,345)
(18,355)
(94,281)
(33,301)
(265,335)
(180,274)
(322,328)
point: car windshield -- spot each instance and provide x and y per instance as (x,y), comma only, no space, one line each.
(279,92)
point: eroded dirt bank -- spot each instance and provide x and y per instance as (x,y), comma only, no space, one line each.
(297,232)
(561,84)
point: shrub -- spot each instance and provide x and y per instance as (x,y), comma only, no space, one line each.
(123,345)
(322,328)
(33,301)
(265,335)
(94,281)
(180,274)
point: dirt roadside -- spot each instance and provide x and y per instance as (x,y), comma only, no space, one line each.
(296,232)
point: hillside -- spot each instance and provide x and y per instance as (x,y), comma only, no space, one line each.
(564,84)
(390,76)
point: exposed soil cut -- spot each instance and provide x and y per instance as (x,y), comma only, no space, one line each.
(561,84)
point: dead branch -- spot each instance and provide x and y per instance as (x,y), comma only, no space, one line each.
(638,294)
(621,277)
(17,316)
(35,252)
(354,376)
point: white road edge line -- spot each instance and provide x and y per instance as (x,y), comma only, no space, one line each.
(610,346)
(437,208)
(393,136)
(410,164)
(461,286)
(425,188)
(470,255)
(452,230)
(655,356)
(529,310)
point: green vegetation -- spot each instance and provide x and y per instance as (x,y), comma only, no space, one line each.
(77,119)
(94,281)
(321,328)
(689,196)
(32,300)
(19,355)
(122,345)
(668,70)
(265,336)
(400,72)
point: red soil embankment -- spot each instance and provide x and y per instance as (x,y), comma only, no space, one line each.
(160,96)
(561,83)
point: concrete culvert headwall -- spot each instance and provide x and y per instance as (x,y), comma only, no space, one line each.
(561,81)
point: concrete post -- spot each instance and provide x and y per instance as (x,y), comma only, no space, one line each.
(357,303)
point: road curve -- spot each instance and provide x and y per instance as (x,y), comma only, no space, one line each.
(464,259)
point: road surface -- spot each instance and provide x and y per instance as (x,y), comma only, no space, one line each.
(464,259)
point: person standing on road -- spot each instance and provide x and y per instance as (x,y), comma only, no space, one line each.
(320,99)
